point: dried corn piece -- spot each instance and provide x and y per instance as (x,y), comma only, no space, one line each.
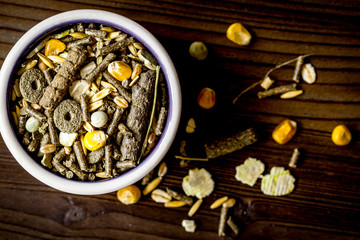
(285,131)
(249,171)
(238,34)
(94,140)
(129,195)
(278,183)
(341,135)
(54,47)
(120,70)
(198,183)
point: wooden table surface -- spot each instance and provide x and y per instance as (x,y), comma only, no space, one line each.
(326,201)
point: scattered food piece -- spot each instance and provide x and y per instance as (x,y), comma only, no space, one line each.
(341,135)
(294,158)
(291,94)
(266,83)
(308,73)
(198,183)
(195,207)
(87,69)
(249,171)
(233,226)
(162,170)
(277,90)
(160,196)
(238,34)
(32,124)
(223,215)
(299,63)
(278,183)
(120,70)
(94,140)
(54,47)
(218,202)
(180,196)
(151,186)
(67,139)
(230,144)
(190,127)
(46,160)
(174,204)
(189,225)
(99,119)
(129,195)
(198,50)
(206,98)
(285,131)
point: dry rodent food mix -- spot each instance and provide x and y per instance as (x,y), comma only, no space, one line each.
(89,101)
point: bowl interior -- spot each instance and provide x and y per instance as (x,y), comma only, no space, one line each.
(31,39)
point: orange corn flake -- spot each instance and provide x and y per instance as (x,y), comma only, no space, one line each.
(54,47)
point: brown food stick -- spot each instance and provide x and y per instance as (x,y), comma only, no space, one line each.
(56,91)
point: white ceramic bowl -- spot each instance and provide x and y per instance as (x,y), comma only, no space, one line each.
(126,25)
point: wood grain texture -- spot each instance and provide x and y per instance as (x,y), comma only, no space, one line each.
(326,201)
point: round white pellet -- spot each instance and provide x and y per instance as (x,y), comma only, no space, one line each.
(32,124)
(99,119)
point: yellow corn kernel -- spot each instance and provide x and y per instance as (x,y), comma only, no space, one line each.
(238,34)
(206,98)
(120,70)
(285,131)
(54,47)
(129,195)
(341,135)
(94,140)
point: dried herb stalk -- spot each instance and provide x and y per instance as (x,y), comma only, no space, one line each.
(138,117)
(227,145)
(180,196)
(277,90)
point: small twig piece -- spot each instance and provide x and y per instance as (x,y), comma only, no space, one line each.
(294,158)
(233,226)
(268,73)
(277,90)
(191,159)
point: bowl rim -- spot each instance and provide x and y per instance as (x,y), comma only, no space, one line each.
(141,34)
